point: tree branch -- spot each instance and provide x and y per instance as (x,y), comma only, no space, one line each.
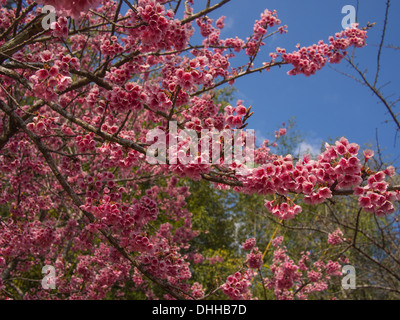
(204,12)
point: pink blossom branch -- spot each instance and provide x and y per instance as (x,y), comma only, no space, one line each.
(77,201)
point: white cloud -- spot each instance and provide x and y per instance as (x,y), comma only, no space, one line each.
(229,23)
(311,148)
(260,137)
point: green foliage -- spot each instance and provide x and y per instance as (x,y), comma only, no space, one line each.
(211,215)
(225,96)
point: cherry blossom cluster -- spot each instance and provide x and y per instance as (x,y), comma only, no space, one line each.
(338,167)
(201,108)
(197,291)
(374,197)
(254,258)
(168,264)
(290,279)
(159,29)
(60,28)
(6,17)
(268,19)
(111,47)
(308,60)
(54,77)
(205,25)
(74,8)
(237,285)
(249,244)
(283,210)
(42,126)
(234,116)
(215,259)
(336,237)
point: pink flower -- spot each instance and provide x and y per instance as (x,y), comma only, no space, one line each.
(353,148)
(241,110)
(390,171)
(307,187)
(249,244)
(277,241)
(368,154)
(333,268)
(336,237)
(64,83)
(255,259)
(46,56)
(71,7)
(60,28)
(364,202)
(341,149)
(53,71)
(325,192)
(358,191)
(220,22)
(314,276)
(42,74)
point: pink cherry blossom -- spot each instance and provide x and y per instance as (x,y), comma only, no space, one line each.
(78,105)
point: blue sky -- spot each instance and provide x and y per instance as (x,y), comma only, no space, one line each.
(328,104)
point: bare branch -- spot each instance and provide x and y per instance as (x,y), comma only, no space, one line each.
(204,12)
(378,65)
